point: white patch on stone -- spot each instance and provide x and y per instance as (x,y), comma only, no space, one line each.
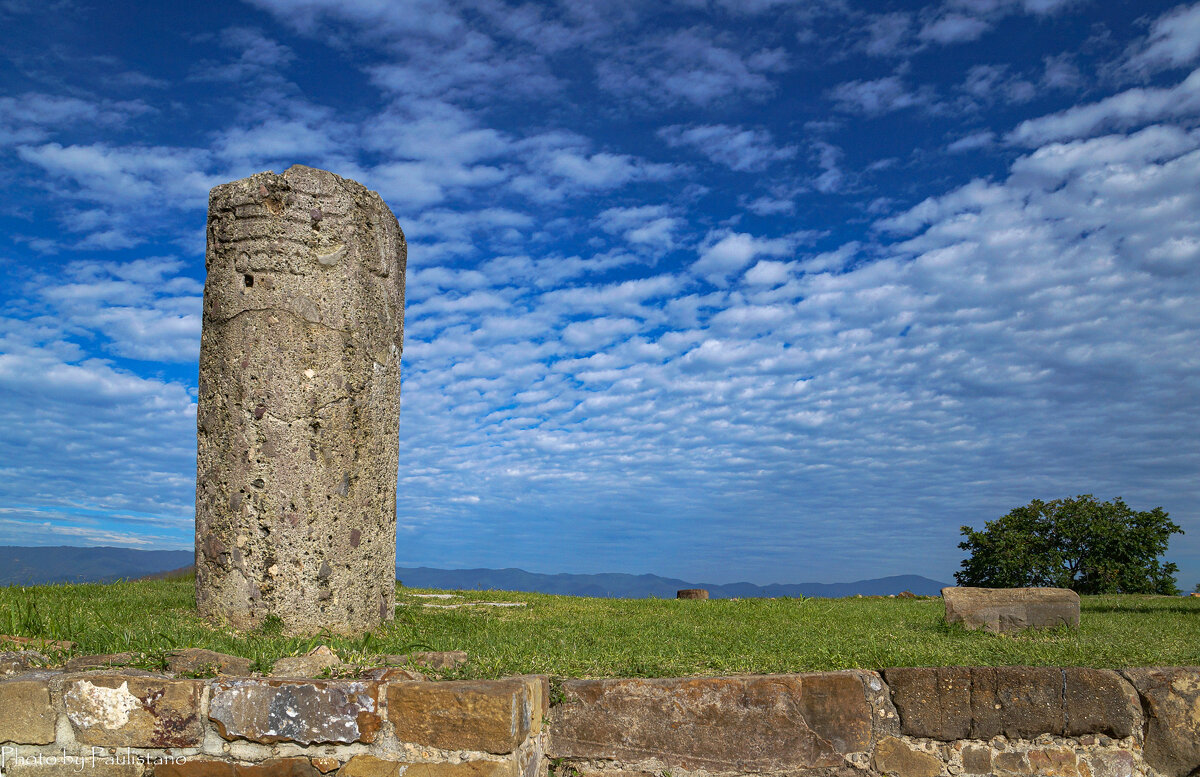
(92,706)
(310,374)
(333,258)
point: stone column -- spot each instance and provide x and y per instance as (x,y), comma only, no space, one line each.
(298,413)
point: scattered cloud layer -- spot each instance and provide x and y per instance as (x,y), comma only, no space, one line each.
(762,291)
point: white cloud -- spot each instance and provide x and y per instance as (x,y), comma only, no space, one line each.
(953,28)
(745,150)
(725,253)
(1126,109)
(880,96)
(1173,41)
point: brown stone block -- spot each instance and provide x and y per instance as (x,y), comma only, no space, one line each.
(30,768)
(977,760)
(468,769)
(277,767)
(1100,701)
(26,716)
(115,710)
(1011,762)
(1016,701)
(1053,762)
(1171,699)
(433,659)
(493,716)
(932,702)
(370,766)
(19,661)
(104,661)
(200,661)
(1005,610)
(1118,763)
(308,712)
(895,756)
(773,722)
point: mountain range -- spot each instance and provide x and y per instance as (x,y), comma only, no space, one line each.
(37,565)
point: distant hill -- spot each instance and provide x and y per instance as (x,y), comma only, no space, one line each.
(642,586)
(30,566)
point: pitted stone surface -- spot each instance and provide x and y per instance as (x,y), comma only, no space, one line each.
(26,716)
(1006,610)
(775,722)
(118,710)
(493,716)
(298,411)
(307,712)
(1172,702)
(953,703)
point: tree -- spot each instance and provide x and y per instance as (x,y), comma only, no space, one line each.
(1088,546)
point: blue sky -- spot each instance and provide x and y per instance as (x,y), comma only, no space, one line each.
(756,290)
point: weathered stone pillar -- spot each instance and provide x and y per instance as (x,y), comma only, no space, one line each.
(298,414)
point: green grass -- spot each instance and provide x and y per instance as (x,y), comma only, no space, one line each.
(578,637)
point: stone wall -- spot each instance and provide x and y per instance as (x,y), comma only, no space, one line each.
(909,722)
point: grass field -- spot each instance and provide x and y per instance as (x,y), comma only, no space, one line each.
(578,637)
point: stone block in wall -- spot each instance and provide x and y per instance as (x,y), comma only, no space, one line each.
(1171,699)
(1016,701)
(755,723)
(200,767)
(303,711)
(951,703)
(1006,610)
(201,661)
(493,716)
(99,768)
(119,710)
(932,701)
(26,717)
(1100,701)
(370,766)
(897,757)
(1113,763)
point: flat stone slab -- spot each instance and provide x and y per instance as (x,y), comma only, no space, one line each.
(754,723)
(1007,610)
(201,661)
(491,716)
(26,716)
(303,711)
(122,710)
(953,702)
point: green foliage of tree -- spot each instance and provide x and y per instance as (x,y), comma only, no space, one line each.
(1089,546)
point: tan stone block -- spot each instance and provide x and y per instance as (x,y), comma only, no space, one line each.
(493,716)
(370,766)
(115,710)
(895,756)
(304,711)
(276,767)
(1053,762)
(1172,702)
(26,716)
(1006,610)
(754,723)
(469,769)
